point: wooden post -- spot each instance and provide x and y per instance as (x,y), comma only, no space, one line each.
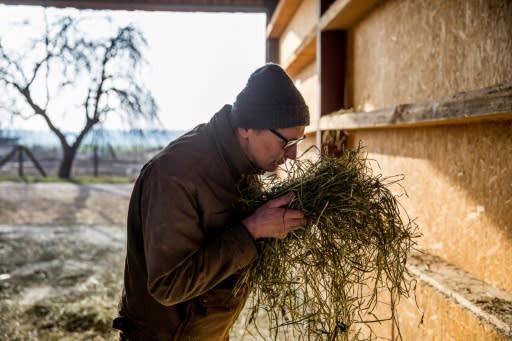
(20,150)
(95,160)
(8,156)
(20,162)
(272,50)
(33,159)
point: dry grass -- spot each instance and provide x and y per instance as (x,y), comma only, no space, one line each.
(325,281)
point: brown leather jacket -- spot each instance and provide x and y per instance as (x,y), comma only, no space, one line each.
(185,241)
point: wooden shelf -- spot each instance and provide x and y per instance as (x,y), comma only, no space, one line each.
(282,16)
(343,14)
(487,104)
(303,55)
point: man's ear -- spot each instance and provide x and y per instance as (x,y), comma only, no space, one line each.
(243,132)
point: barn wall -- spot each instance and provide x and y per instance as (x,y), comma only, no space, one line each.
(408,51)
(300,26)
(459,183)
(457,176)
(307,83)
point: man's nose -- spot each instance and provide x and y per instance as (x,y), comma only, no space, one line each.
(291,153)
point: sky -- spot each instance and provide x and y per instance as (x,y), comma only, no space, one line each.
(198,61)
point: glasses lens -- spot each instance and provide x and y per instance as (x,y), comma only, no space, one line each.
(292,143)
(287,143)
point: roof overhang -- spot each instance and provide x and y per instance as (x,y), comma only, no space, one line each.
(265,6)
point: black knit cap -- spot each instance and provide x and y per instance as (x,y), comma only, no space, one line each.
(269,100)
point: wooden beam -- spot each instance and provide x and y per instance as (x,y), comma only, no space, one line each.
(282,16)
(487,104)
(303,55)
(272,51)
(156,5)
(343,14)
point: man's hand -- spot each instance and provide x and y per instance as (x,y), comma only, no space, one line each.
(272,220)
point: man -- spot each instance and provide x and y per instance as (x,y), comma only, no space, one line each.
(187,242)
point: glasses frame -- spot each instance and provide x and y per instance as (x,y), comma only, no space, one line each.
(288,143)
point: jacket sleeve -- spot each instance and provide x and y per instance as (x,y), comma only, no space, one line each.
(180,261)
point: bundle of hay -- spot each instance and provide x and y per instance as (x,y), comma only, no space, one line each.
(324,281)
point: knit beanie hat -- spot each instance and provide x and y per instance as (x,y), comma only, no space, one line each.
(269,100)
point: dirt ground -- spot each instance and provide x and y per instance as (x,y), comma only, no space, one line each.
(63,204)
(61,255)
(62,250)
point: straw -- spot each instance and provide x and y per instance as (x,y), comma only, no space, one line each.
(326,280)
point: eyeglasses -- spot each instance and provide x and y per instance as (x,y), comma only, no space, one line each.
(288,143)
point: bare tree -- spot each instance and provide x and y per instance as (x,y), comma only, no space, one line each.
(101,74)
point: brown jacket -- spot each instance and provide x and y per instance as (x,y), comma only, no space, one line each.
(185,241)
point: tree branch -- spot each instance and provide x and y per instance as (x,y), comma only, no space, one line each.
(25,92)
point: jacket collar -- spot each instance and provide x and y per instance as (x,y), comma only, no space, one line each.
(228,145)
